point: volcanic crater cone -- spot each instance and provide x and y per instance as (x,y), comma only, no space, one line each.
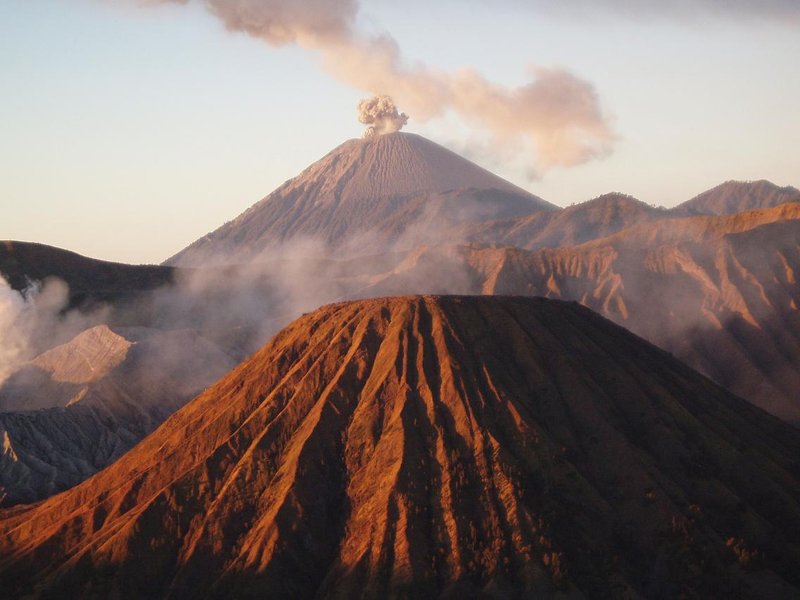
(434,446)
(364,196)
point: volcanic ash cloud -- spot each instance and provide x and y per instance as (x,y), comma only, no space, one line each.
(555,115)
(381,116)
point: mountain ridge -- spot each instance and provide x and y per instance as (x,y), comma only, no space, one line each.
(91,281)
(721,293)
(735,196)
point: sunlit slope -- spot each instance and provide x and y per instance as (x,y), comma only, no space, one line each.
(434,445)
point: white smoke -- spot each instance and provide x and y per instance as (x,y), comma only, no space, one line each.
(13,311)
(24,316)
(382,116)
(38,318)
(556,115)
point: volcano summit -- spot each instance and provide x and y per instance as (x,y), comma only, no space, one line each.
(365,195)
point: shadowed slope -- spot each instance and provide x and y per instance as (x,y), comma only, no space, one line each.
(434,446)
(89,280)
(99,395)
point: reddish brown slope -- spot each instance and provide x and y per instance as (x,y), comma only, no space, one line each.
(434,446)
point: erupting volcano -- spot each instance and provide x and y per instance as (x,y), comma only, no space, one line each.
(366,196)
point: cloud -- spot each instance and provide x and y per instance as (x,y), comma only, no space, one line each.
(556,115)
(35,319)
(786,12)
(309,23)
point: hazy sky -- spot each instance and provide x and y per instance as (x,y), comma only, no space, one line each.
(128,132)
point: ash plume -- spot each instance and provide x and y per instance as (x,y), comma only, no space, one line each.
(555,115)
(35,319)
(381,116)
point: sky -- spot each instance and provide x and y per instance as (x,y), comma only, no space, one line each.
(128,131)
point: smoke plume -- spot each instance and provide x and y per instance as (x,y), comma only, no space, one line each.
(31,320)
(13,313)
(381,115)
(556,114)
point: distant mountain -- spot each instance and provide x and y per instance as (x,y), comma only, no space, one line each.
(421,447)
(76,408)
(90,280)
(400,190)
(596,218)
(363,197)
(610,213)
(737,196)
(722,293)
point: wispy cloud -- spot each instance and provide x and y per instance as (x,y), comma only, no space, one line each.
(785,12)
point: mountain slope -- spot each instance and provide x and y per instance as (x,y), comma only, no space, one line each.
(737,196)
(596,218)
(78,407)
(720,292)
(62,375)
(47,451)
(365,195)
(423,446)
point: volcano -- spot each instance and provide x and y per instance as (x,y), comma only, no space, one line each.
(434,446)
(365,195)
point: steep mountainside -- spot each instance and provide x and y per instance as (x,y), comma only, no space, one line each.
(417,447)
(364,196)
(103,391)
(722,293)
(736,196)
(50,450)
